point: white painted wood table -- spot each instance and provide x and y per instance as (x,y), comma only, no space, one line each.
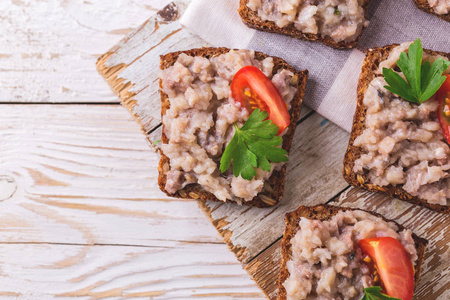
(80,211)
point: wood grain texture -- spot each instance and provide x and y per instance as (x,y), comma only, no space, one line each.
(80,214)
(86,219)
(48,48)
(85,174)
(265,267)
(131,68)
(118,272)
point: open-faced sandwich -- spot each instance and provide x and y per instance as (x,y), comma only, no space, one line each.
(440,8)
(228,119)
(335,23)
(401,129)
(341,253)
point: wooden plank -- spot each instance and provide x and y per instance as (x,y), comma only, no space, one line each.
(34,271)
(84,218)
(264,269)
(131,68)
(435,280)
(313,177)
(84,174)
(48,48)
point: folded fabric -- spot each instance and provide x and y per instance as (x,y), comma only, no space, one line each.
(331,88)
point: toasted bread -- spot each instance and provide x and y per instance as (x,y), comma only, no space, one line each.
(325,212)
(370,65)
(425,6)
(274,186)
(252,20)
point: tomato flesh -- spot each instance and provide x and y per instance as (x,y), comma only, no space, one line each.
(394,265)
(443,95)
(253,90)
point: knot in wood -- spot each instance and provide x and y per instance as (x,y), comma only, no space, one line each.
(8,187)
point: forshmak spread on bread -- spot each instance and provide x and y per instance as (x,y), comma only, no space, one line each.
(342,20)
(440,7)
(404,143)
(225,125)
(347,254)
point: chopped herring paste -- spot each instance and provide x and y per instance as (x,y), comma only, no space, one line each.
(199,122)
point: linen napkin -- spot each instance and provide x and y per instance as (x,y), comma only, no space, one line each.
(333,74)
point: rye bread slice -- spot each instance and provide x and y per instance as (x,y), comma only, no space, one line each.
(425,6)
(252,20)
(274,187)
(322,213)
(370,65)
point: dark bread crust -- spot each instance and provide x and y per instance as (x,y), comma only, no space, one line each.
(252,20)
(276,181)
(424,6)
(370,65)
(325,212)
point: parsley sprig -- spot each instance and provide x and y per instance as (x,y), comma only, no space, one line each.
(253,146)
(374,293)
(422,81)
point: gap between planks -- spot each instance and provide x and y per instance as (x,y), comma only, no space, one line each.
(115,245)
(122,272)
(85,175)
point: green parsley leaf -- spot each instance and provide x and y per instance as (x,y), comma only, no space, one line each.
(374,293)
(422,81)
(434,78)
(254,145)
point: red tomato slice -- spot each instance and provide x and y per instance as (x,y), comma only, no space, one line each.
(394,265)
(253,90)
(443,95)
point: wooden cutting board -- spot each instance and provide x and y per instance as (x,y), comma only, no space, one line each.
(314,171)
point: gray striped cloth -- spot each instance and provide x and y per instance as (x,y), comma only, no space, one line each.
(331,88)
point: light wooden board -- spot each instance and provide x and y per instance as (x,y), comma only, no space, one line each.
(81,215)
(58,161)
(314,170)
(121,272)
(48,48)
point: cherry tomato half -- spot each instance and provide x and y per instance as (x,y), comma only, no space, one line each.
(394,265)
(443,95)
(253,90)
